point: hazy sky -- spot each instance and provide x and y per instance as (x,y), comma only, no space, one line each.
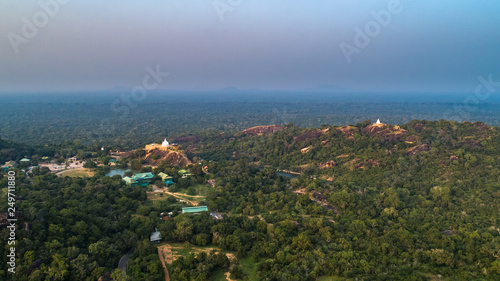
(426,45)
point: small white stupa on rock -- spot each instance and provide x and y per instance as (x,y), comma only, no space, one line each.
(378,122)
(164,146)
(165,143)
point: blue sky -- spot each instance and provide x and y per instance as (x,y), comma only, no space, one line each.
(428,46)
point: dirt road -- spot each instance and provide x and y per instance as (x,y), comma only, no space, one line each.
(180,197)
(165,253)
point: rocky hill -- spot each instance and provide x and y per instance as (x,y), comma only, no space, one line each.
(390,133)
(360,147)
(174,158)
(154,157)
(262,130)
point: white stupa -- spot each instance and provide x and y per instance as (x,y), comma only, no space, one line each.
(378,122)
(165,143)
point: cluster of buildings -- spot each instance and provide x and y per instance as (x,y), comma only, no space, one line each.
(143,179)
(9,164)
(45,161)
(24,163)
(156,235)
(13,164)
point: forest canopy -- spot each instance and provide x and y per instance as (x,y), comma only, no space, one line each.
(416,201)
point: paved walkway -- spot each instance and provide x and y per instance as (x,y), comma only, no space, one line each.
(122,265)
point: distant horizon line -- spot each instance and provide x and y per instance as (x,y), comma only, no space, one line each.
(235,91)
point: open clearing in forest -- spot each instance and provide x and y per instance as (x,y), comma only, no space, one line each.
(166,258)
(168,252)
(78,172)
(175,250)
(249,268)
(162,194)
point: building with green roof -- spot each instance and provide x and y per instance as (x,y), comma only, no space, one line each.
(24,162)
(168,180)
(129,180)
(194,210)
(142,179)
(9,164)
(185,173)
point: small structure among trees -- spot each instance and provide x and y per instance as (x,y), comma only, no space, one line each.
(194,210)
(168,180)
(155,236)
(185,173)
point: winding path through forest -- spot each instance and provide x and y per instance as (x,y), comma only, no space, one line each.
(122,265)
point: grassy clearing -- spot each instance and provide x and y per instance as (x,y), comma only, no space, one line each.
(249,267)
(202,190)
(185,249)
(156,196)
(194,198)
(218,276)
(178,195)
(248,264)
(76,173)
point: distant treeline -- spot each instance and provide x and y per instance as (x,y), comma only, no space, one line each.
(114,119)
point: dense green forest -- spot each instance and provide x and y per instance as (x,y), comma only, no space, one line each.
(417,201)
(108,119)
(72,228)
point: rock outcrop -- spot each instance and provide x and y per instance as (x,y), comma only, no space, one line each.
(419,127)
(411,139)
(347,130)
(471,144)
(321,199)
(174,158)
(357,164)
(105,277)
(310,135)
(384,131)
(306,149)
(419,149)
(262,130)
(328,164)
